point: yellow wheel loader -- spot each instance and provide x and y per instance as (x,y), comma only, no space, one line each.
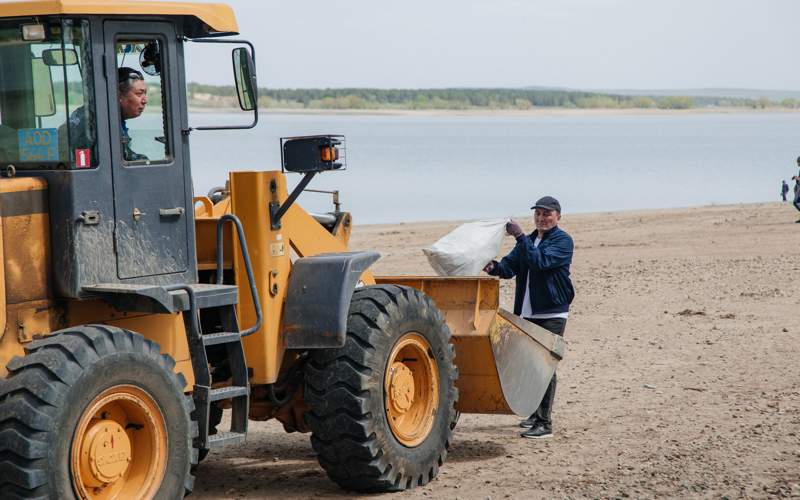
(136,316)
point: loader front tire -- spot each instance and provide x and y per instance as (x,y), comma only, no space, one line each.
(95,412)
(381,407)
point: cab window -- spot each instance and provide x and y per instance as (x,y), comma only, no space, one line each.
(46,95)
(142,106)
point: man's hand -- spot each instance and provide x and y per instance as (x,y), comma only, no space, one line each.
(514,229)
(489,267)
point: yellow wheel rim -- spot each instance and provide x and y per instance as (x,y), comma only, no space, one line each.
(119,449)
(411,388)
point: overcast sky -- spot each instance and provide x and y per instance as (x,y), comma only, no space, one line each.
(590,44)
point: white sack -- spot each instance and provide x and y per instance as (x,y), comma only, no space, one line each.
(467,249)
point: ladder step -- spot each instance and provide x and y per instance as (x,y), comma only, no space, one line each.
(224,439)
(221,338)
(233,391)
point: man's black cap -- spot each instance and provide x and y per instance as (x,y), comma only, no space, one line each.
(125,73)
(548,203)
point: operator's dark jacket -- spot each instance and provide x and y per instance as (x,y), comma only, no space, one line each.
(550,286)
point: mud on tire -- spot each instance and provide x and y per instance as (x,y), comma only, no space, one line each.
(345,392)
(47,391)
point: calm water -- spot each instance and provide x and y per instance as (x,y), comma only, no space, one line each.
(412,168)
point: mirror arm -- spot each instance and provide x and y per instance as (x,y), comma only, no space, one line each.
(255,108)
(276,211)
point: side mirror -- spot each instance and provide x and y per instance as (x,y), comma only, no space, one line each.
(150,59)
(58,57)
(244,72)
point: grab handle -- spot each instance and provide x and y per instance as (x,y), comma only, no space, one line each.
(171,212)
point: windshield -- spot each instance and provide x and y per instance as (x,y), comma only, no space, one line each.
(46,96)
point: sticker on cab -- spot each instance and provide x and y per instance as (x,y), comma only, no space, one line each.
(38,144)
(83,158)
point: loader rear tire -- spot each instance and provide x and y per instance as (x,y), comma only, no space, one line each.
(95,412)
(381,407)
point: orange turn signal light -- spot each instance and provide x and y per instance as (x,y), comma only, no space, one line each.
(329,153)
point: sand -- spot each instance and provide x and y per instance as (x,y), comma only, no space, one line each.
(682,375)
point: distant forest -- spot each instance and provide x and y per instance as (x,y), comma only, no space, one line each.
(463,99)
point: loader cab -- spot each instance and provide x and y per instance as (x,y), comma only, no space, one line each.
(96,105)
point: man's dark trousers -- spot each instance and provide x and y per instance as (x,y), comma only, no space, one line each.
(542,414)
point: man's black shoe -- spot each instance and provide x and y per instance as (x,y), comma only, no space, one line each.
(540,431)
(529,423)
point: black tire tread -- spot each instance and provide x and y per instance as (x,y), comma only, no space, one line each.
(338,391)
(32,395)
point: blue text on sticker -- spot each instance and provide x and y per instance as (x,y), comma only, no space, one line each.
(38,144)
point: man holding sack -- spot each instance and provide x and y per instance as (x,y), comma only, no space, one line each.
(540,262)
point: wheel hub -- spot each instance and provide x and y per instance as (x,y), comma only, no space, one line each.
(401,387)
(411,389)
(105,452)
(119,449)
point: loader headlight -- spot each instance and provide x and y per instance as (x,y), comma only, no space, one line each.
(313,153)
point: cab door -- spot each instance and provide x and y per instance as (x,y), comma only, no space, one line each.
(149,175)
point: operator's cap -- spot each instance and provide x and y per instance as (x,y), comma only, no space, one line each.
(126,73)
(548,203)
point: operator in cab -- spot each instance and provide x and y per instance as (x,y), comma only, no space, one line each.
(132,101)
(132,96)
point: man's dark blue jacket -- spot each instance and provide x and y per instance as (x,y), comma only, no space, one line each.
(550,286)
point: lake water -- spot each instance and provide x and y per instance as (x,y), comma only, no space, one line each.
(404,168)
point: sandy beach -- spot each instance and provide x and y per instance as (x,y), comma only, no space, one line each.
(681,377)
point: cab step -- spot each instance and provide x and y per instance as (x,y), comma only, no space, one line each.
(221,338)
(230,392)
(221,439)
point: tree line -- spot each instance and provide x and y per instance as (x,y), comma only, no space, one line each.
(463,99)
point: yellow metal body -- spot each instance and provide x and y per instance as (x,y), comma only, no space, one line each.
(271,252)
(166,329)
(25,300)
(27,307)
(218,17)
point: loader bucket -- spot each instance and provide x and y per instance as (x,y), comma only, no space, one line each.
(505,363)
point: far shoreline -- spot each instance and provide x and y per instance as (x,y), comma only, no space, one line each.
(628,212)
(504,112)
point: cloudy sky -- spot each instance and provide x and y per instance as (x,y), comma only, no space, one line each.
(590,44)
